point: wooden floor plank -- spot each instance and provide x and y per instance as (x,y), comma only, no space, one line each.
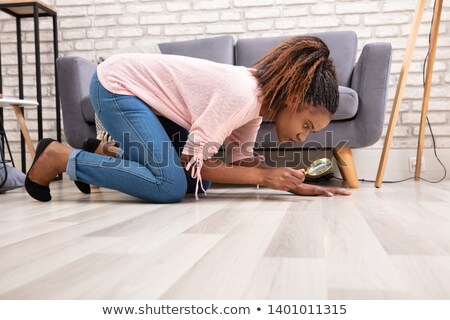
(239,253)
(237,242)
(21,265)
(354,255)
(300,232)
(288,279)
(426,277)
(136,276)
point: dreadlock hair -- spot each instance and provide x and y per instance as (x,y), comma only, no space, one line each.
(297,71)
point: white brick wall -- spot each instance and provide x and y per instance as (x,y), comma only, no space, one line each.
(91,28)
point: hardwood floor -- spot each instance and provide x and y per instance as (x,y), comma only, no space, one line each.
(236,243)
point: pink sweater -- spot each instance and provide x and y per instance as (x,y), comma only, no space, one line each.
(216,102)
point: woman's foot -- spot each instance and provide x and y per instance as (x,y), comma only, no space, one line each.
(89,145)
(98,147)
(50,160)
(107,149)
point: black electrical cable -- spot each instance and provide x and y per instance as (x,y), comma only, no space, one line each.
(2,135)
(428,122)
(2,153)
(3,138)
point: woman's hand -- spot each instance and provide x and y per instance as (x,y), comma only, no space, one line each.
(311,190)
(282,178)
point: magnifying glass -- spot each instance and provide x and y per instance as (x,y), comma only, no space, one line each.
(319,167)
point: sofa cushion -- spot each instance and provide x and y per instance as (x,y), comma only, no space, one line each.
(348,104)
(87,110)
(10,177)
(342,45)
(217,49)
(15,178)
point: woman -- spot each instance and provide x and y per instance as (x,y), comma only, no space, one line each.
(142,100)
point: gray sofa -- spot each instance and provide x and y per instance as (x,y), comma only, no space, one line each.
(362,85)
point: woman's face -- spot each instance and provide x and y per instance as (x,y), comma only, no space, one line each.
(295,127)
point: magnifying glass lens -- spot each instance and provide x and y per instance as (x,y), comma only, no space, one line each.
(319,167)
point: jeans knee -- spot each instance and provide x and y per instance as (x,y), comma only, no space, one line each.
(174,190)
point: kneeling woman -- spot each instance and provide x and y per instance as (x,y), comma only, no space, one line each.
(170,114)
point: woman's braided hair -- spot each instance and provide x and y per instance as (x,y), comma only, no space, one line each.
(297,71)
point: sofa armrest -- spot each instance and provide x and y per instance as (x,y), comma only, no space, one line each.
(74,77)
(371,80)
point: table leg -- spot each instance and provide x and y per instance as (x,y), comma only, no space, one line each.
(24,129)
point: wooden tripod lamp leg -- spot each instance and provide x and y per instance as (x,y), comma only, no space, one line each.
(428,80)
(399,92)
(344,158)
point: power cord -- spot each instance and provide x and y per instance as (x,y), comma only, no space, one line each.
(428,122)
(2,153)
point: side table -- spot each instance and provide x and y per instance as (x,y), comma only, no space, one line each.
(33,9)
(17,104)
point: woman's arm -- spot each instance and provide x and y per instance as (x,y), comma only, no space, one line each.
(255,162)
(303,189)
(311,190)
(254,171)
(277,178)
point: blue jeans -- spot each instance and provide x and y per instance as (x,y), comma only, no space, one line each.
(150,168)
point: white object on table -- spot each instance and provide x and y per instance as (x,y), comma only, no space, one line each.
(16,104)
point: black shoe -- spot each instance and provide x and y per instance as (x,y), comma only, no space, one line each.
(89,145)
(35,190)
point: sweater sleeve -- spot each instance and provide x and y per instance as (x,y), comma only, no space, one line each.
(241,142)
(208,132)
(211,128)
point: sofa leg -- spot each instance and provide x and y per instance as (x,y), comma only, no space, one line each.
(346,165)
